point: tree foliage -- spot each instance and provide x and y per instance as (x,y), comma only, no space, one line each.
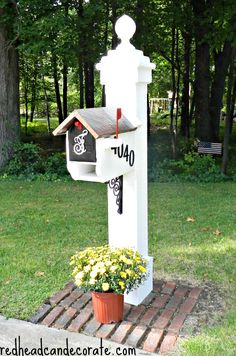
(191,41)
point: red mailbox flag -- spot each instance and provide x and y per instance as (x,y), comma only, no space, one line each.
(118,116)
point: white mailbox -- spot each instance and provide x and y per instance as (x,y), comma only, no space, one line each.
(99,145)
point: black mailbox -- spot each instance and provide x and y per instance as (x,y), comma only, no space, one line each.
(82,146)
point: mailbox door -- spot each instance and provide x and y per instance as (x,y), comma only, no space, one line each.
(82,146)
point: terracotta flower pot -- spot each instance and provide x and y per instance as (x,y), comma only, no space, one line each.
(108,307)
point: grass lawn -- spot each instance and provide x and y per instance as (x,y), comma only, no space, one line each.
(192,235)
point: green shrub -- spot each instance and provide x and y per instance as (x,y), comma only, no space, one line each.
(193,168)
(55,164)
(28,162)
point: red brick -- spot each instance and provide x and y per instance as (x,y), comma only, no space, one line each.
(188,305)
(136,336)
(122,332)
(82,301)
(106,330)
(153,340)
(164,319)
(70,285)
(135,313)
(148,316)
(177,323)
(52,316)
(76,294)
(168,288)
(81,319)
(181,292)
(127,308)
(160,301)
(157,285)
(65,318)
(92,326)
(148,300)
(195,292)
(40,314)
(57,297)
(174,302)
(168,343)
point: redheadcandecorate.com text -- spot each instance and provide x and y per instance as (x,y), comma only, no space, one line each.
(67,350)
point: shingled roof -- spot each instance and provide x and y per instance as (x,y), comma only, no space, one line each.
(100,122)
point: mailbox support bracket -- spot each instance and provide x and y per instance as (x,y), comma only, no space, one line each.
(117,185)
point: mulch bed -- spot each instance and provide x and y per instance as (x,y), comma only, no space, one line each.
(172,311)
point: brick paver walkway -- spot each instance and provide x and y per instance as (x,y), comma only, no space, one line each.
(153,326)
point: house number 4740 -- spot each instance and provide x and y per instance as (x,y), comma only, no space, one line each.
(123,151)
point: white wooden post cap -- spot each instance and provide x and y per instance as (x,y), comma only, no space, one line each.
(125,28)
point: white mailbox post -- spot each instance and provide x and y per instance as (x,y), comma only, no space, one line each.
(95,153)
(125,72)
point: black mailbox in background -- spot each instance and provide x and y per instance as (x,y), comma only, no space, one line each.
(82,146)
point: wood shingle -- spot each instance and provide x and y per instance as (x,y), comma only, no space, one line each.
(100,122)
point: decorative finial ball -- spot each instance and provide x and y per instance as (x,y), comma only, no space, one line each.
(125,28)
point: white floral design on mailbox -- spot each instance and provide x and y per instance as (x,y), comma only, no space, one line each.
(94,152)
(79,143)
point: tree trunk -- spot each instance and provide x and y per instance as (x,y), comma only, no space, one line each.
(222,61)
(46,104)
(177,82)
(185,117)
(202,70)
(114,41)
(33,91)
(65,89)
(233,105)
(202,81)
(57,89)
(80,13)
(9,93)
(103,96)
(65,67)
(192,108)
(225,157)
(173,80)
(81,83)
(139,37)
(89,84)
(26,90)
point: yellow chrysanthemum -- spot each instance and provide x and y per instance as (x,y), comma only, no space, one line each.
(102,270)
(100,264)
(113,269)
(78,282)
(79,275)
(142,269)
(128,261)
(87,269)
(122,285)
(105,287)
(93,274)
(92,281)
(129,272)
(122,258)
(123,274)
